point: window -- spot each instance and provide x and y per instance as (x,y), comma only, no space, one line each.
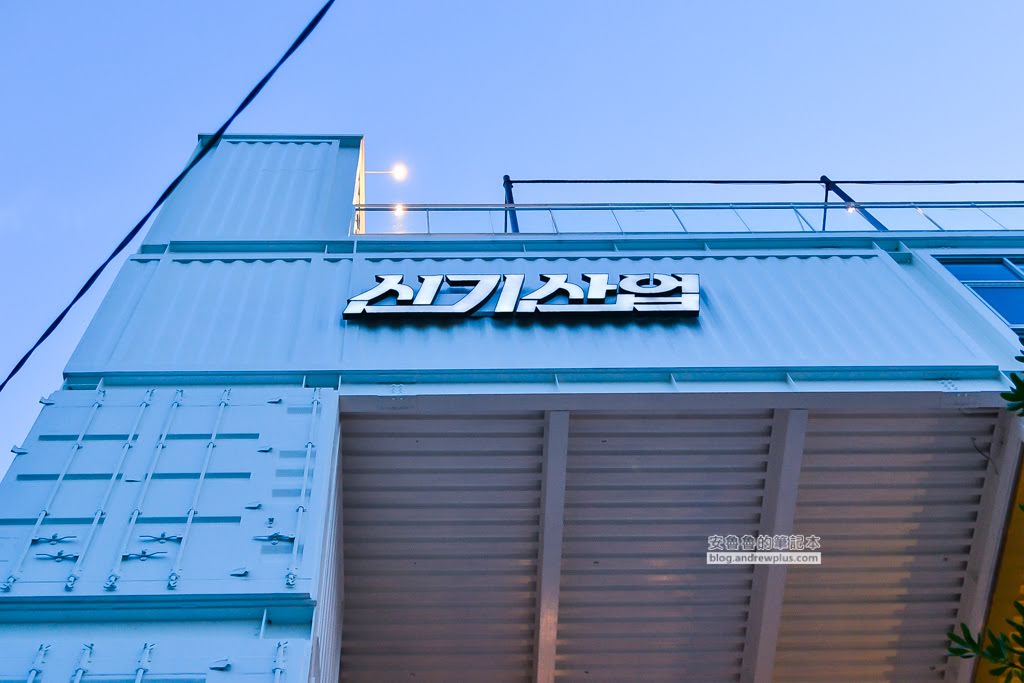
(999,282)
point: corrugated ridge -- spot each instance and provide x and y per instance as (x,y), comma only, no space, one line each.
(254,190)
(638,601)
(440,527)
(894,499)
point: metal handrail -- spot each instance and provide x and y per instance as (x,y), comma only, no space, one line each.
(691,205)
(803,221)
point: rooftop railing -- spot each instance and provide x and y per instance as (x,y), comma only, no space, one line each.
(753,217)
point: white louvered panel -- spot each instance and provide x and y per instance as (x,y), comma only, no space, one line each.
(440,547)
(638,601)
(894,499)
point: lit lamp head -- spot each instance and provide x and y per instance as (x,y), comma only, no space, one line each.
(399,172)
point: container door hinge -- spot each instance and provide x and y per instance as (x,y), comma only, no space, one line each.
(53,539)
(221,665)
(275,538)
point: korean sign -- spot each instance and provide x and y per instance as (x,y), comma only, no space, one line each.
(462,295)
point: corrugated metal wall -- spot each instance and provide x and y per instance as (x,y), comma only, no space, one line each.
(440,539)
(442,516)
(234,458)
(643,493)
(255,189)
(219,648)
(895,499)
(174,515)
(283,312)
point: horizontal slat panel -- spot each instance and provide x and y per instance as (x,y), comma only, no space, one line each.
(440,541)
(638,601)
(894,499)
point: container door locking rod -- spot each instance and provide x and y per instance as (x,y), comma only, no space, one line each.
(101,511)
(37,664)
(293,569)
(144,661)
(280,656)
(75,447)
(161,444)
(172,578)
(84,661)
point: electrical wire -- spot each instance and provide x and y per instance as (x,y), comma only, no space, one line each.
(649,181)
(207,145)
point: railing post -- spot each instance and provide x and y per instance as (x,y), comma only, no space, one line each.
(510,214)
(830,185)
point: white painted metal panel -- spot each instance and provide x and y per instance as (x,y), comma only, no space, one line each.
(440,546)
(157,482)
(283,314)
(644,492)
(250,189)
(895,499)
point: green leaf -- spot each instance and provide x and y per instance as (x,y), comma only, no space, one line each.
(971,642)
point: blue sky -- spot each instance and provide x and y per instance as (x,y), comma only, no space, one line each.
(102,102)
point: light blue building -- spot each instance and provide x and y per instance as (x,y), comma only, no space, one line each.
(310,439)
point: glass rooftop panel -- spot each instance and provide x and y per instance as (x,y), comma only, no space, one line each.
(841,220)
(585,220)
(712,220)
(967,218)
(648,220)
(773,219)
(901,218)
(537,221)
(392,223)
(460,222)
(1010,217)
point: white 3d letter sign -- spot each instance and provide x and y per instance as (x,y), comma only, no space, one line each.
(392,298)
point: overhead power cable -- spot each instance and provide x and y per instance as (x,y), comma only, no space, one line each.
(662,181)
(207,145)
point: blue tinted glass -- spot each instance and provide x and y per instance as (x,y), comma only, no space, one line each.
(1008,302)
(981,270)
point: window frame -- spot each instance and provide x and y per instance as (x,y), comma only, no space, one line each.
(972,285)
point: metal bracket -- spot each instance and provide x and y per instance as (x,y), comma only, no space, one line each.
(59,556)
(52,540)
(143,555)
(850,202)
(221,665)
(275,538)
(162,538)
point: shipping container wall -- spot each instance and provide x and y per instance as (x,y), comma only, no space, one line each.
(283,313)
(211,650)
(249,189)
(198,491)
